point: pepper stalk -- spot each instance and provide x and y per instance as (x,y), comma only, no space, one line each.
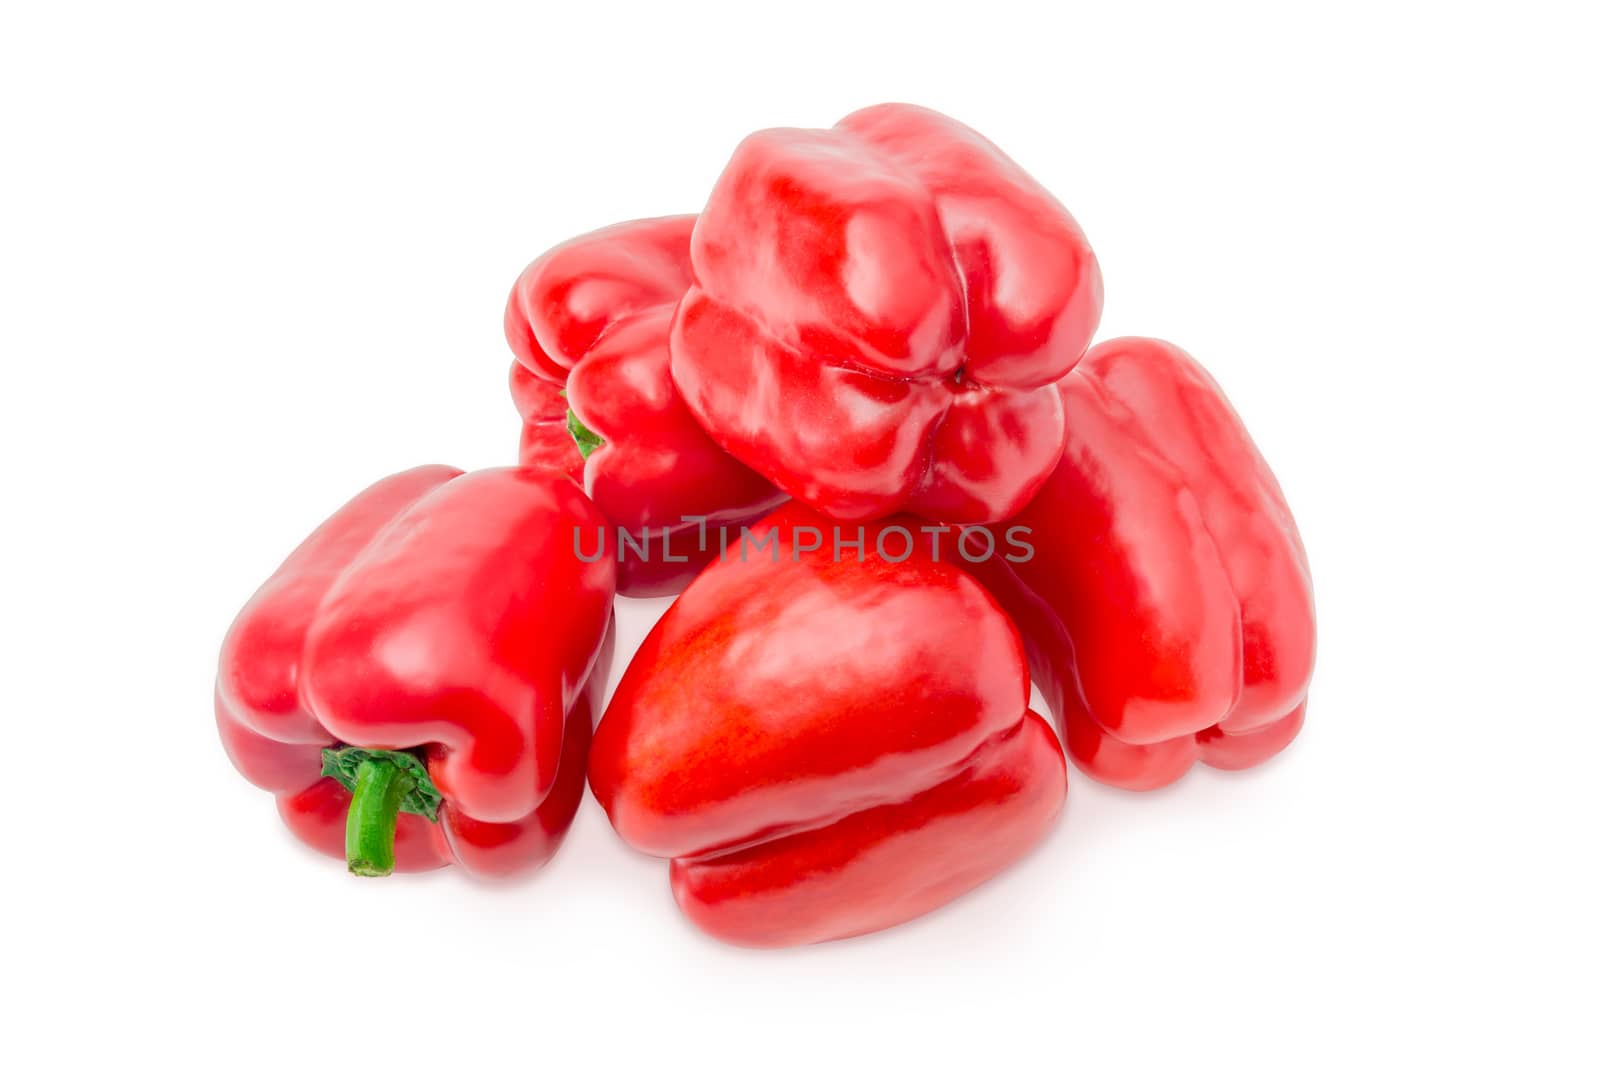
(383,783)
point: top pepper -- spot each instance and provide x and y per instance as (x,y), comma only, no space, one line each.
(878,314)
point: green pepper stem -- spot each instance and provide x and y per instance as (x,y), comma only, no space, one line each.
(374,812)
(586,439)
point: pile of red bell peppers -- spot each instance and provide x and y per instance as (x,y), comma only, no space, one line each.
(851,413)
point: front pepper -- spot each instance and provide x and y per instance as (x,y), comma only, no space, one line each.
(828,734)
(1167,607)
(878,313)
(588,323)
(417,681)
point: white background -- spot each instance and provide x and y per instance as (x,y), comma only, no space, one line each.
(250,261)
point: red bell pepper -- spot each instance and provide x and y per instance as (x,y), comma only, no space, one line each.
(1168,607)
(588,323)
(438,648)
(878,313)
(827,739)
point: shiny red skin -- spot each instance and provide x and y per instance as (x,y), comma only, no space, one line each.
(588,322)
(877,315)
(826,748)
(1168,608)
(440,610)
